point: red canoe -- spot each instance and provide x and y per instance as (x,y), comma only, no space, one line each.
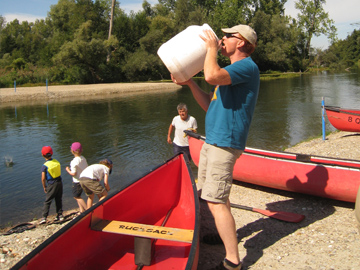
(357,209)
(332,178)
(344,119)
(154,220)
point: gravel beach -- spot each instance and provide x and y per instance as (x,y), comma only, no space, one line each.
(326,239)
(53,93)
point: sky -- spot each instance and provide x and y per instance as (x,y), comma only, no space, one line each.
(344,13)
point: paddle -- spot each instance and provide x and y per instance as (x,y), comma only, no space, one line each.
(285,216)
(194,135)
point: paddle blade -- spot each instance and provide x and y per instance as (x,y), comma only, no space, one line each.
(285,216)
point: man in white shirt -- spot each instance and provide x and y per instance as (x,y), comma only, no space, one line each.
(181,122)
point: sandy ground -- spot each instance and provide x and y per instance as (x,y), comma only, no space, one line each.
(41,94)
(327,238)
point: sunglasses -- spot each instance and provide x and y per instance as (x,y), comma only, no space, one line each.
(229,35)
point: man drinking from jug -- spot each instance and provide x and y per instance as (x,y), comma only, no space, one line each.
(229,110)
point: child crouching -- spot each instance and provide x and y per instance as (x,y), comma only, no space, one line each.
(90,180)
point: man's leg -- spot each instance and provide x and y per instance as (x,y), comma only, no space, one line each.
(225,225)
(216,190)
(176,149)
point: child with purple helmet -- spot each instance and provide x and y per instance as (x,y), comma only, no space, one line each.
(77,165)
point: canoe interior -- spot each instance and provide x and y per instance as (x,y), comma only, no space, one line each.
(147,201)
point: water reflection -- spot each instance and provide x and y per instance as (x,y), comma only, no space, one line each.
(132,132)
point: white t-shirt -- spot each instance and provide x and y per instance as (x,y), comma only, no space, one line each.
(95,171)
(78,164)
(180,126)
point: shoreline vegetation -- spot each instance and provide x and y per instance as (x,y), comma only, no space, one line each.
(265,75)
(326,239)
(41,93)
(119,87)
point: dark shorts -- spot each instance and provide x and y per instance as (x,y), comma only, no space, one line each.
(184,149)
(76,190)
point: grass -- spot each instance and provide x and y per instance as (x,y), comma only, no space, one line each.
(279,75)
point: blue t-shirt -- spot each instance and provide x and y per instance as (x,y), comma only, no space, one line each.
(231,109)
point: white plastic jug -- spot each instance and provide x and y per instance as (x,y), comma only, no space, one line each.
(184,54)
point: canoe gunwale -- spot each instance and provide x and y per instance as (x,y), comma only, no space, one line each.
(342,110)
(305,158)
(317,176)
(194,251)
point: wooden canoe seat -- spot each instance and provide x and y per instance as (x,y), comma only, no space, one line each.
(144,230)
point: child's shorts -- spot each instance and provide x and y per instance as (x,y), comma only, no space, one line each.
(91,186)
(76,190)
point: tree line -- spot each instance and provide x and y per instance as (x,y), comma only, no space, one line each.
(95,41)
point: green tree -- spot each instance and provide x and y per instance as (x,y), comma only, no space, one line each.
(17,40)
(228,13)
(276,48)
(314,21)
(143,63)
(271,7)
(344,54)
(128,29)
(111,26)
(186,14)
(67,16)
(207,6)
(64,19)
(168,4)
(2,23)
(83,57)
(41,46)
(72,44)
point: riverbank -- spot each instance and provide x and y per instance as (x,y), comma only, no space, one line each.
(326,239)
(43,94)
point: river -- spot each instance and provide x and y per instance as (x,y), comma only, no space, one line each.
(132,132)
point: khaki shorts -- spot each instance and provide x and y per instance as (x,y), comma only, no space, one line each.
(91,186)
(357,209)
(215,174)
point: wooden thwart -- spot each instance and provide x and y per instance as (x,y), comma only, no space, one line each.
(144,230)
